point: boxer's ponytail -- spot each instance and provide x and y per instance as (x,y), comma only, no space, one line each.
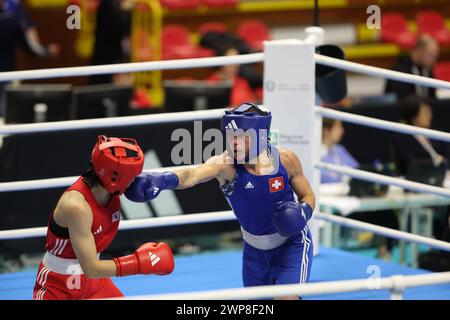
(90,178)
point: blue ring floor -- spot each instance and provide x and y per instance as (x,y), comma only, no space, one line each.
(220,270)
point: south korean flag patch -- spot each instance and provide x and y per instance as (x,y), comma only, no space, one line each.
(116,216)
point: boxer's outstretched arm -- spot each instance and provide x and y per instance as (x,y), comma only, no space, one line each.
(209,170)
(298,181)
(148,186)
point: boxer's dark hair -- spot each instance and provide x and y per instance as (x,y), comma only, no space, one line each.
(90,178)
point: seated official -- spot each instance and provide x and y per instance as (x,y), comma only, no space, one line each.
(333,152)
(420,62)
(411,148)
(416,148)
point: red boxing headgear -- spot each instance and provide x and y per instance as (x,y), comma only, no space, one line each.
(116,162)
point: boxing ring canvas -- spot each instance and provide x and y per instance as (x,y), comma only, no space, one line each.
(221,270)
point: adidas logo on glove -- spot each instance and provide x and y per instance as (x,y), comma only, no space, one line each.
(154,258)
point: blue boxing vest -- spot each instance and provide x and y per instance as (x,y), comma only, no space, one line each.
(253,198)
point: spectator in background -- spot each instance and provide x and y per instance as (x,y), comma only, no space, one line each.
(335,153)
(332,151)
(140,99)
(17,8)
(112,34)
(419,62)
(413,148)
(17,30)
(14,34)
(241,91)
(25,22)
(408,148)
(220,42)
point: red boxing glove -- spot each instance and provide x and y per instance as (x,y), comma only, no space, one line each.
(150,258)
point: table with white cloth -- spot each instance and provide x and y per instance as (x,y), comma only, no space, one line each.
(413,207)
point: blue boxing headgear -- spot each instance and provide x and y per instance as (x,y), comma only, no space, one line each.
(257,122)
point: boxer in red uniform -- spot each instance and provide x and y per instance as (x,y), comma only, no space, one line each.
(84,223)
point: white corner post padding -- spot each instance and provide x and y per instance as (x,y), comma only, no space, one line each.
(289,92)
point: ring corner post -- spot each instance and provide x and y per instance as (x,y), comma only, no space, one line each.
(289,92)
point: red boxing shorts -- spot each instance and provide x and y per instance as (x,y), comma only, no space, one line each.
(70,283)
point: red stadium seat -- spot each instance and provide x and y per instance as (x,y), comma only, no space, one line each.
(179,4)
(394,28)
(219,3)
(175,34)
(204,52)
(176,44)
(212,26)
(92,5)
(254,32)
(442,71)
(432,23)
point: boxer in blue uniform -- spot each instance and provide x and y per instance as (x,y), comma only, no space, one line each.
(259,182)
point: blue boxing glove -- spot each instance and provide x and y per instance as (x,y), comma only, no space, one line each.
(147,186)
(291,217)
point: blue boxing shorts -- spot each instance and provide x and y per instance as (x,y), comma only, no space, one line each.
(290,263)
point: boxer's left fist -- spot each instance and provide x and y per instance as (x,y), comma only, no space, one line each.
(147,186)
(291,217)
(150,258)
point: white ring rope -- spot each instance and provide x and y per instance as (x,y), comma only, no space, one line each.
(355,173)
(229,216)
(208,115)
(396,283)
(38,184)
(132,224)
(380,72)
(383,179)
(382,124)
(383,231)
(131,67)
(61,182)
(210,62)
(111,122)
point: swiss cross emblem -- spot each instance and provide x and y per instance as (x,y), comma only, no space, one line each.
(276,184)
